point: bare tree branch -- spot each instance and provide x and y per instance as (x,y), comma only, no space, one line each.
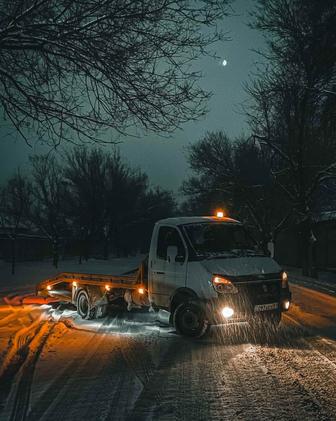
(71,69)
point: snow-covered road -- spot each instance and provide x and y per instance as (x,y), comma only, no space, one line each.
(129,367)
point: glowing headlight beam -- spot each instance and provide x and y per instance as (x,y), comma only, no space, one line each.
(227,312)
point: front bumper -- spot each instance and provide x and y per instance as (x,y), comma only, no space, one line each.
(245,307)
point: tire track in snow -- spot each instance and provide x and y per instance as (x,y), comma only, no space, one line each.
(109,359)
(155,391)
(16,355)
(58,385)
(287,397)
(303,365)
(225,378)
(18,401)
(125,374)
(325,348)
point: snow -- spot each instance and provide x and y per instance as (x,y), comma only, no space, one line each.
(28,274)
(128,366)
(325,216)
(240,266)
(325,282)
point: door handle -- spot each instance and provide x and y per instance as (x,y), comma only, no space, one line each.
(159,273)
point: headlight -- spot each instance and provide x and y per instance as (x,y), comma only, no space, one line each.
(284,280)
(223,285)
(227,312)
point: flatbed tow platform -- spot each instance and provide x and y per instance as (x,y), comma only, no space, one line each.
(90,293)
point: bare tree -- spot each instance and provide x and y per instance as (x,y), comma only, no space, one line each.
(102,198)
(15,203)
(85,175)
(235,174)
(292,113)
(109,203)
(47,211)
(125,188)
(70,68)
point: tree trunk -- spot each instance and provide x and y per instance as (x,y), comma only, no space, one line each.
(55,252)
(117,242)
(87,242)
(106,247)
(81,250)
(13,247)
(307,249)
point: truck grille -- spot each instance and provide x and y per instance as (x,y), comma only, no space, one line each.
(253,291)
(261,292)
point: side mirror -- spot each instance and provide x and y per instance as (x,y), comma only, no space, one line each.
(171,254)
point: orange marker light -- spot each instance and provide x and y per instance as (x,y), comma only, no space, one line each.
(49,287)
(141,290)
(74,284)
(107,287)
(220,214)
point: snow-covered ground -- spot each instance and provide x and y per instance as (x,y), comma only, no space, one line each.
(28,274)
(325,282)
(128,366)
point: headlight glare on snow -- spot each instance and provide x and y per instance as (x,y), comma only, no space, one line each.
(223,285)
(286,305)
(284,280)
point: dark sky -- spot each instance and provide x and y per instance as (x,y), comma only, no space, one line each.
(164,160)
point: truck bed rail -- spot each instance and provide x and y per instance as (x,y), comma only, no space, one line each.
(132,280)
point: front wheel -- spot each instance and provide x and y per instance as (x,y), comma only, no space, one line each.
(189,320)
(84,308)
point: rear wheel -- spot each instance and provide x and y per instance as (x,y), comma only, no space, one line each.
(189,320)
(84,308)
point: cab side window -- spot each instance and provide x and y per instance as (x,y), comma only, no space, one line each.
(169,237)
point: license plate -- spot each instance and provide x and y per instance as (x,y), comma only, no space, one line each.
(266,307)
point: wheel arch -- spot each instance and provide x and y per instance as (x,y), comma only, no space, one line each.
(181,295)
(94,293)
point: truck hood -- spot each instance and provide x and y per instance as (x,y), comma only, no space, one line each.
(240,266)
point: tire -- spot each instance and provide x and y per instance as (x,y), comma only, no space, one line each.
(189,320)
(84,308)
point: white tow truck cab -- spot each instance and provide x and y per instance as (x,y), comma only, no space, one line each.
(209,270)
(202,270)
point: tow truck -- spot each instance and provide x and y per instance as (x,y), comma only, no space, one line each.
(203,271)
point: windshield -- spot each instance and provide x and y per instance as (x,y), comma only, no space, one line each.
(211,239)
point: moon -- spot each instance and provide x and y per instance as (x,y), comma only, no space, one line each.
(224,62)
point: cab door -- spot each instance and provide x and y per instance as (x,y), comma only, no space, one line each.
(168,275)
